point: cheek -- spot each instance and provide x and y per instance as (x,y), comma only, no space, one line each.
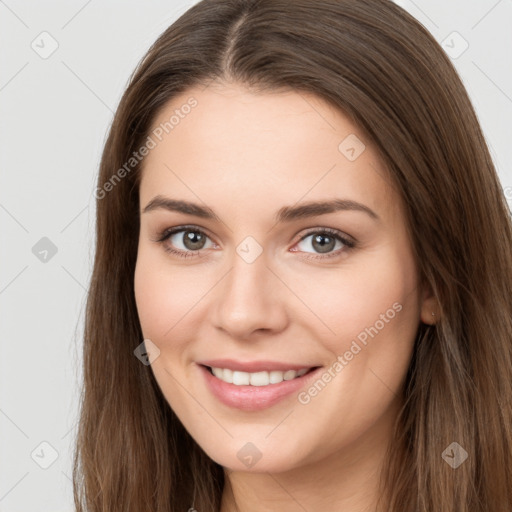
(168,298)
(369,314)
(371,311)
(376,323)
(354,297)
(156,302)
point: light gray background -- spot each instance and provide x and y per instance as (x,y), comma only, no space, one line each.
(55,114)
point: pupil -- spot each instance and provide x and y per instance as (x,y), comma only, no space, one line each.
(322,245)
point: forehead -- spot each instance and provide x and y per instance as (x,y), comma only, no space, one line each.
(261,148)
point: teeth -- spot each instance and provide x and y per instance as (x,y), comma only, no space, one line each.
(257,378)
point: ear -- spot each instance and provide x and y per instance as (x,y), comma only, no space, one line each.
(429,313)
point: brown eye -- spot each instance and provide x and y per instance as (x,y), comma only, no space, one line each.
(193,240)
(325,241)
(184,241)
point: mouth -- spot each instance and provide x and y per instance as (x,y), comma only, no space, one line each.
(261,378)
(255,391)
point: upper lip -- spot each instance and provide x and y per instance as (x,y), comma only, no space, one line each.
(253,366)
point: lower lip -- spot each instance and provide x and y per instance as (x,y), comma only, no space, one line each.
(253,398)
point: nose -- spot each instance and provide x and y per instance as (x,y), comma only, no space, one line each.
(250,298)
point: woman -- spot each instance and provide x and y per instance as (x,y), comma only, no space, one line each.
(301,296)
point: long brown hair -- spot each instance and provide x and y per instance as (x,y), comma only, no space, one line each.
(382,69)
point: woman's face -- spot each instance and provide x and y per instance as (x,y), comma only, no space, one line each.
(258,284)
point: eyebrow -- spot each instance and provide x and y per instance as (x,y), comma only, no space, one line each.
(285,214)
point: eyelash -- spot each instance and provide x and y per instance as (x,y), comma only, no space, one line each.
(167,233)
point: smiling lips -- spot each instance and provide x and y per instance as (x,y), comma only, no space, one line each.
(254,366)
(255,373)
(263,378)
(253,386)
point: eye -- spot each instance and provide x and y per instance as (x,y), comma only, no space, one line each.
(184,241)
(187,242)
(324,241)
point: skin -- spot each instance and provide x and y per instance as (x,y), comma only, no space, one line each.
(245,156)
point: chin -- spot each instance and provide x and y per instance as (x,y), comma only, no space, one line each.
(247,457)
